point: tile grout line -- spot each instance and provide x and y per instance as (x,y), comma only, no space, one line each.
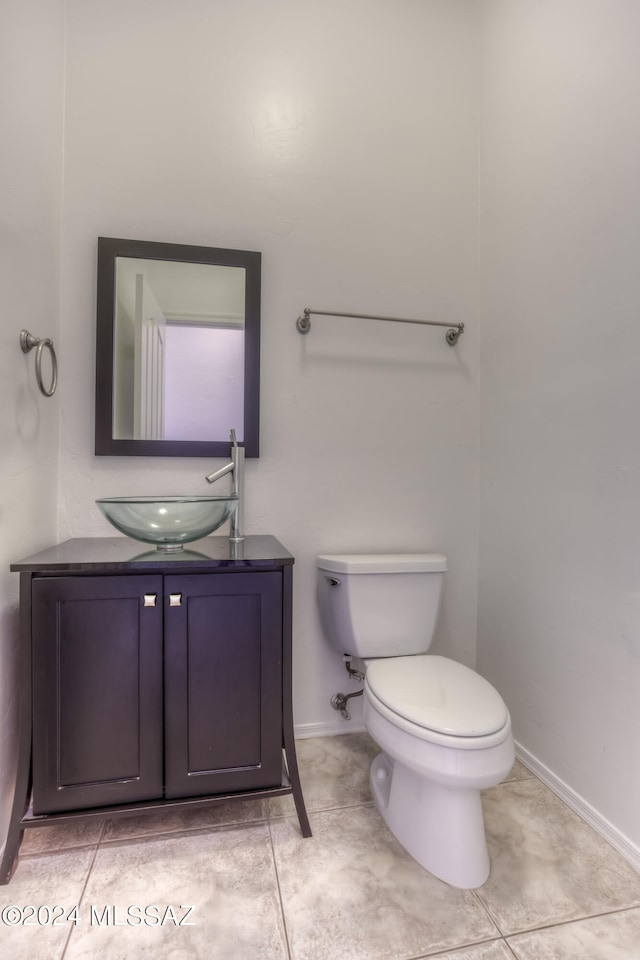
(134,838)
(565,923)
(279,889)
(184,831)
(510,949)
(84,888)
(56,851)
(312,810)
(487,911)
(448,951)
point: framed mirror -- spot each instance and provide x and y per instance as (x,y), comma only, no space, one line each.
(177,349)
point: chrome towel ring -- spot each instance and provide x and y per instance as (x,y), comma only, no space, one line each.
(28,342)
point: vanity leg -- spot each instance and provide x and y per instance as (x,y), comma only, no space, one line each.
(294,777)
(288,740)
(22,786)
(9,860)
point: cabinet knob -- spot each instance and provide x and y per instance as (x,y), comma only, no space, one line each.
(150,599)
(175,599)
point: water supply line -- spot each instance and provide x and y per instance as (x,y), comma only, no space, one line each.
(339,700)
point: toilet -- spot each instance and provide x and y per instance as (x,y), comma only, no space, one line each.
(444,731)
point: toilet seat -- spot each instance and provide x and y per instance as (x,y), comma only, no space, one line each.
(438,700)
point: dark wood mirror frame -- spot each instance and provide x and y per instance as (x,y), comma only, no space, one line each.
(109,249)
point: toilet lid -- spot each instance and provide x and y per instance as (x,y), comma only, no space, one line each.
(438,694)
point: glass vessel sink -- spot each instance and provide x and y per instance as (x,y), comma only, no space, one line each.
(167,522)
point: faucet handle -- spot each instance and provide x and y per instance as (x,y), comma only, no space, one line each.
(232,437)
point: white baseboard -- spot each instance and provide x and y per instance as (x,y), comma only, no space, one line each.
(303,731)
(600,824)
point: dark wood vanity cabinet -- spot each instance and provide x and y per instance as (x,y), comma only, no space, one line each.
(153,681)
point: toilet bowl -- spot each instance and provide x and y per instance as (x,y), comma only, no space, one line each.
(426,783)
(444,731)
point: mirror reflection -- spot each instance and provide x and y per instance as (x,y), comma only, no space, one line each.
(177,349)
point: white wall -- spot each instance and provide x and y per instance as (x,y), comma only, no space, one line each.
(340,140)
(31,85)
(559,624)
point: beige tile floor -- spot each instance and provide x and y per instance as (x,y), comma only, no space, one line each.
(557,890)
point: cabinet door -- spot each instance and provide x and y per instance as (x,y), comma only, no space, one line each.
(223,683)
(97,691)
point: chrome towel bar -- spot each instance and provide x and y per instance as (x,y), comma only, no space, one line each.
(303,323)
(28,342)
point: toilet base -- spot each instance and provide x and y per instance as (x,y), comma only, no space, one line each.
(442,827)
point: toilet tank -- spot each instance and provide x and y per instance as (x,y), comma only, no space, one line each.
(380,605)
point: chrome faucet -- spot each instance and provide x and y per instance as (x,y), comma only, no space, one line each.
(236,469)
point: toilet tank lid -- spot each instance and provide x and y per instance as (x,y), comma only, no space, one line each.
(382,563)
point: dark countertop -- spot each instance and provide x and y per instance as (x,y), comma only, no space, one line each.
(122,554)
